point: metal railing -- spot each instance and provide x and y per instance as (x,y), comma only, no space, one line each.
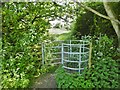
(75,55)
(72,54)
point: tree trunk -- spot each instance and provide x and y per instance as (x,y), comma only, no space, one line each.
(119,42)
(115,25)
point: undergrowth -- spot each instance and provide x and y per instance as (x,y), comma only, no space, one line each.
(103,72)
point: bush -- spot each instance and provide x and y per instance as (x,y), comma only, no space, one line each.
(65,80)
(103,74)
(88,23)
(102,47)
(20,31)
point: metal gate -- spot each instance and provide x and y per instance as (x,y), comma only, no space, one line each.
(51,52)
(72,54)
(75,55)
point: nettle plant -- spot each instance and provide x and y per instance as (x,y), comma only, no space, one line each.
(102,46)
(103,74)
(66,80)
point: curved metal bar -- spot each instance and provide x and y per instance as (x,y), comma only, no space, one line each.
(75,53)
(70,68)
(71,61)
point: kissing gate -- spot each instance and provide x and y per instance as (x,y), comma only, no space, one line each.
(74,55)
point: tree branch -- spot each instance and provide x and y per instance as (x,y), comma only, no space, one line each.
(97,13)
(35,18)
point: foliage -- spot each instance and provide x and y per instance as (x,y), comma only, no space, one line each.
(116,7)
(65,80)
(24,25)
(103,74)
(102,46)
(65,36)
(89,23)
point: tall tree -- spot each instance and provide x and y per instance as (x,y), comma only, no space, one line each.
(111,16)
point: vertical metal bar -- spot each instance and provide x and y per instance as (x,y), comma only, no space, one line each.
(83,47)
(79,58)
(70,49)
(83,50)
(62,51)
(43,53)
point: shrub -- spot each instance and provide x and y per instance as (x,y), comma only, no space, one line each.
(21,31)
(102,47)
(103,74)
(87,22)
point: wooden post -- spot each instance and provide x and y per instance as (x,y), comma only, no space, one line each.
(62,53)
(80,59)
(90,55)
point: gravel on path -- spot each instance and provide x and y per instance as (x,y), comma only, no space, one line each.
(47,81)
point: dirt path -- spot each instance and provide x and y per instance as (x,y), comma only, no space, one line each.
(58,31)
(46,81)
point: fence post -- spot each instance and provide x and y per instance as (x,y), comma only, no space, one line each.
(62,51)
(83,46)
(90,55)
(79,58)
(43,54)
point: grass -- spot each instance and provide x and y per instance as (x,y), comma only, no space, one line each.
(64,36)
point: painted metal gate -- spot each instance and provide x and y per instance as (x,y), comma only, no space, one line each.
(51,52)
(72,54)
(75,55)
